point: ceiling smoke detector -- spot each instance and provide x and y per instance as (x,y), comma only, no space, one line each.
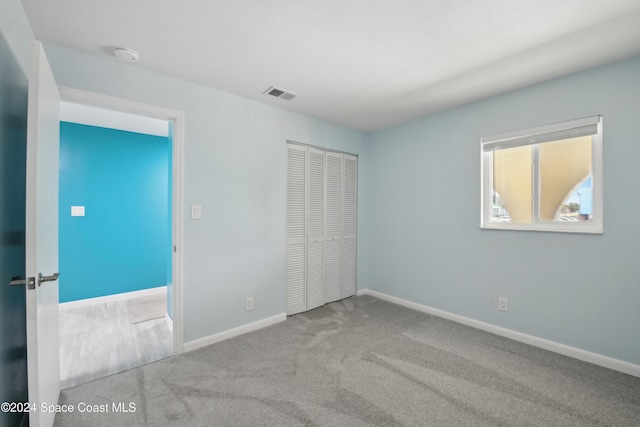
(280,93)
(125,54)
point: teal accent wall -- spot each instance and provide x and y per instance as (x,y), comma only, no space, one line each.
(122,179)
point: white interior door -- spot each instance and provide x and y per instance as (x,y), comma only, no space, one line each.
(43,359)
(322,199)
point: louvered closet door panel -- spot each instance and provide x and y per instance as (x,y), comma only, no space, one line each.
(332,286)
(333,228)
(295,278)
(315,212)
(296,263)
(349,225)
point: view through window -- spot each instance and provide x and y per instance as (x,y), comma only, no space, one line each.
(543,178)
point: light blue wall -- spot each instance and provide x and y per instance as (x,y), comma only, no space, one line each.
(121,244)
(235,167)
(419,195)
(425,243)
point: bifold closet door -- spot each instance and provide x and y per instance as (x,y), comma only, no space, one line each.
(296,262)
(322,189)
(349,225)
(315,228)
(333,228)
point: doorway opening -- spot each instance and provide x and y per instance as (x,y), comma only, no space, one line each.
(120,192)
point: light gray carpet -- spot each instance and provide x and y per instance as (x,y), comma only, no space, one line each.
(147,308)
(358,362)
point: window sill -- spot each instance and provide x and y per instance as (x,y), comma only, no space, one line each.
(547,227)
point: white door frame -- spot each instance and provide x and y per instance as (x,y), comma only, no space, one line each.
(127,106)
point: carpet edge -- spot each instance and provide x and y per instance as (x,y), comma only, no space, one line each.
(556,347)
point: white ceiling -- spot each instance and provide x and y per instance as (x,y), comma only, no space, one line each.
(366,64)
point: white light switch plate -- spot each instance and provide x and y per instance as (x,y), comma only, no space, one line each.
(77,210)
(196,211)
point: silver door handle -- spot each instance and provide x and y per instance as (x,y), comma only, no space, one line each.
(17,281)
(51,278)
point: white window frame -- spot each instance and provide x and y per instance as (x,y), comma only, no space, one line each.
(535,136)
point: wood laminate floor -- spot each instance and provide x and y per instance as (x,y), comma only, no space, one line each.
(100,340)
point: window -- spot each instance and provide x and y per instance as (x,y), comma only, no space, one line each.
(548,178)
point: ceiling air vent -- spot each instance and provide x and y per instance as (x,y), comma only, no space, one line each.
(280,93)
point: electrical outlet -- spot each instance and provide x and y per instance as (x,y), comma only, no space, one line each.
(248,303)
(503,304)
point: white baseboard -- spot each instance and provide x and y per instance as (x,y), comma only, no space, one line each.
(576,353)
(116,297)
(169,322)
(230,333)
